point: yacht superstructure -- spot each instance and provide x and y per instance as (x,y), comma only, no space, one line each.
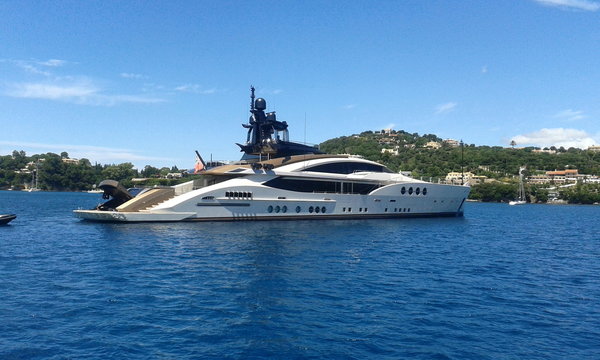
(281,180)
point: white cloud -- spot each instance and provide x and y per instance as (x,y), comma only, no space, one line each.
(484,69)
(188,88)
(37,67)
(102,155)
(195,88)
(132,76)
(78,91)
(585,5)
(263,92)
(51,91)
(445,108)
(570,115)
(53,62)
(34,70)
(388,126)
(110,100)
(349,106)
(73,89)
(556,137)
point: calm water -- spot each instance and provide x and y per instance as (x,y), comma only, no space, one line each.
(501,283)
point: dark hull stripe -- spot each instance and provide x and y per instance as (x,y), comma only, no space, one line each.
(296,217)
(329,217)
(223,204)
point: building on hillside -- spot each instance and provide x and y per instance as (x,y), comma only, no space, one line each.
(433,145)
(568,176)
(543,151)
(595,148)
(452,142)
(390,151)
(176,175)
(70,161)
(539,179)
(463,178)
(564,176)
(139,180)
(385,141)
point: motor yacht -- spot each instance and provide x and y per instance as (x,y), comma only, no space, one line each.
(282,180)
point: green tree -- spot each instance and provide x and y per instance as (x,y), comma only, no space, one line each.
(122,173)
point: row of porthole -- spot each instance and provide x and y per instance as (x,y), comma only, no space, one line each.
(417,191)
(399,209)
(284,209)
(359,209)
(238,194)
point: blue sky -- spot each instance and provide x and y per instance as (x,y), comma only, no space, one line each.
(150,82)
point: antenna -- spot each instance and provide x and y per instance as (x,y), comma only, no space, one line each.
(305,128)
(462,162)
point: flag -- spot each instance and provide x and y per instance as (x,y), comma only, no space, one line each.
(199,166)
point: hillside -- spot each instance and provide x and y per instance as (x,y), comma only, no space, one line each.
(424,155)
(408,152)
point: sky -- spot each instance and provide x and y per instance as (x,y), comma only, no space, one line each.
(149,82)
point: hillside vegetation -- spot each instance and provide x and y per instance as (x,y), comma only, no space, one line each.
(406,152)
(492,161)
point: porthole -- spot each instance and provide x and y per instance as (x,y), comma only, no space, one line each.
(311,209)
(284,209)
(403,191)
(385,210)
(317,209)
(277,209)
(410,190)
(270,209)
(227,194)
(235,194)
(323,209)
(343,209)
(359,209)
(424,191)
(298,209)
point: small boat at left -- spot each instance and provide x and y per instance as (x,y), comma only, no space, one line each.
(5,219)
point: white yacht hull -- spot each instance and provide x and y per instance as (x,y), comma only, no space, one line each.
(245,199)
(118,216)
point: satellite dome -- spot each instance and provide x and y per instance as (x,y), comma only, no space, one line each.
(260,104)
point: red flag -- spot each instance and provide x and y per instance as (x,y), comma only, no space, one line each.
(199,166)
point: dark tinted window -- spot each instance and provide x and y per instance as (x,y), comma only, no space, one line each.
(320,186)
(347,168)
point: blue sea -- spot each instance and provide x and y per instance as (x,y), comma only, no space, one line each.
(501,282)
